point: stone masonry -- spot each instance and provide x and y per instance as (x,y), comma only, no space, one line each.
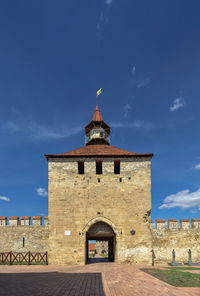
(78,201)
(21,236)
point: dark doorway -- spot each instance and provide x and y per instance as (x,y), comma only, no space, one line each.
(100,243)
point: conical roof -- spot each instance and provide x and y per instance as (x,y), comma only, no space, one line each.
(97,115)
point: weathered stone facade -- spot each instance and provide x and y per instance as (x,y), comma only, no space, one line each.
(181,237)
(23,238)
(76,202)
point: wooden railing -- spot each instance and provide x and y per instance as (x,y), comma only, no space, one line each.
(9,258)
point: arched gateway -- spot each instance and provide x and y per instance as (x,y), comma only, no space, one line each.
(100,243)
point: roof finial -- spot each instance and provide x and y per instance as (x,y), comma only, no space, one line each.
(97,114)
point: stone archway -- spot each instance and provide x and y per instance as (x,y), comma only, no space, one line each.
(100,243)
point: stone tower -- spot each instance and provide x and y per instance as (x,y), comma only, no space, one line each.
(99,192)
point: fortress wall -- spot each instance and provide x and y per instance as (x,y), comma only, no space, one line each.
(181,237)
(35,238)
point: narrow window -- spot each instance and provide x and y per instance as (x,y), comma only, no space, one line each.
(23,242)
(117,167)
(81,167)
(120,179)
(99,180)
(98,167)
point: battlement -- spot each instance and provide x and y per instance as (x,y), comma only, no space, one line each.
(24,221)
(175,224)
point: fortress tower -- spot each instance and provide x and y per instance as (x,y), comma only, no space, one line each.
(99,192)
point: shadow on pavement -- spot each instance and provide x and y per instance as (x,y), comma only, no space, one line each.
(97,260)
(51,283)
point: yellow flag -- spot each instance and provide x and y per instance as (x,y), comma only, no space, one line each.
(99,92)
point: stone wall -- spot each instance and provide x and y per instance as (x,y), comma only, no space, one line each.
(18,237)
(181,236)
(77,201)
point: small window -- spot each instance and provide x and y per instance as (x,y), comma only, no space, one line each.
(117,167)
(80,167)
(23,242)
(120,179)
(99,180)
(98,167)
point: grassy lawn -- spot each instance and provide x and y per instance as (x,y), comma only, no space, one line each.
(175,277)
(183,268)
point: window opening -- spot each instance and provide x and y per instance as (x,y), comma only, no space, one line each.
(117,167)
(98,167)
(23,242)
(81,167)
(120,179)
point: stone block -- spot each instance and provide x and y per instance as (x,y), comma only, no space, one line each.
(25,220)
(37,220)
(160,224)
(13,221)
(172,223)
(185,223)
(46,220)
(3,221)
(195,223)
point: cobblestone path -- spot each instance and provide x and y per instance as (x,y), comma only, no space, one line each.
(100,279)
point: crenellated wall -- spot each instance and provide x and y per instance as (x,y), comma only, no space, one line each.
(24,220)
(32,234)
(179,235)
(24,234)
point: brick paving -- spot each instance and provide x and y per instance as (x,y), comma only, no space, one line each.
(99,279)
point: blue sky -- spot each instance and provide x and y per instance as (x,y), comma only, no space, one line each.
(146,57)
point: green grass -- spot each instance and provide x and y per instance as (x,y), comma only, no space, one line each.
(175,277)
(183,268)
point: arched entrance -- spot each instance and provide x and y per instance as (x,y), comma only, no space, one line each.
(100,243)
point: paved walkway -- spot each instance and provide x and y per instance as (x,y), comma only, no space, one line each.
(100,279)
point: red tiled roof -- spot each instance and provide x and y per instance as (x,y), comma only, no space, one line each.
(99,150)
(97,115)
(25,217)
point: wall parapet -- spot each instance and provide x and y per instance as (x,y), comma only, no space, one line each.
(24,221)
(175,224)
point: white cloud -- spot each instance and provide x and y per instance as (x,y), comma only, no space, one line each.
(38,132)
(183,200)
(142,82)
(197,166)
(177,104)
(108,2)
(10,126)
(4,198)
(43,133)
(133,70)
(134,124)
(127,108)
(41,191)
